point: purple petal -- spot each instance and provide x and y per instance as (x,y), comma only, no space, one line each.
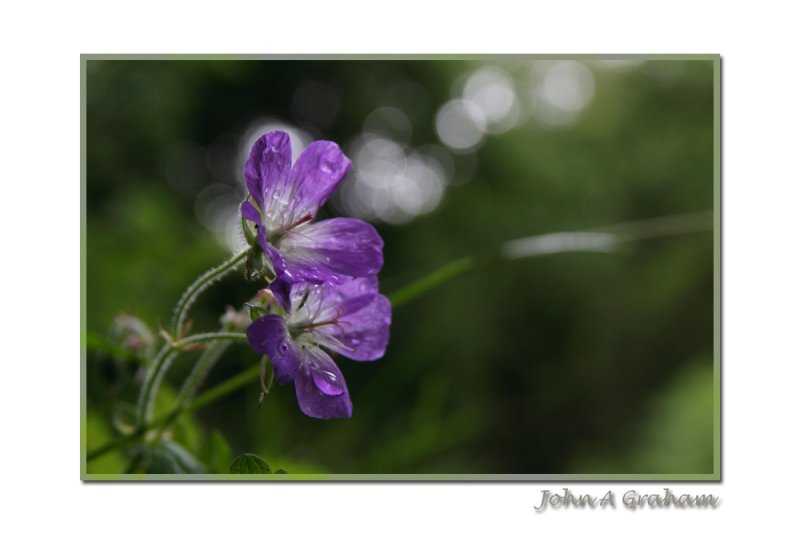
(334,300)
(275,257)
(320,386)
(268,165)
(268,335)
(315,175)
(361,331)
(250,212)
(332,250)
(281,289)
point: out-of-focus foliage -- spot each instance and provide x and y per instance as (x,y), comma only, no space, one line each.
(571,363)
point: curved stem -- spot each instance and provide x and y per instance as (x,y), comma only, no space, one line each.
(219,391)
(152,379)
(604,239)
(197,375)
(163,359)
(598,240)
(429,281)
(161,363)
(210,336)
(200,371)
(198,286)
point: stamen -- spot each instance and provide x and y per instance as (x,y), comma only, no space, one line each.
(304,299)
(315,325)
(282,231)
(305,218)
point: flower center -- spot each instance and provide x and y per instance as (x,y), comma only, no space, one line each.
(297,329)
(276,235)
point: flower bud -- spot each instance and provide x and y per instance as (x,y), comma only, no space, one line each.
(234,320)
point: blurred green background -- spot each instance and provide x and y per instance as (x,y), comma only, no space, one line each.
(572,363)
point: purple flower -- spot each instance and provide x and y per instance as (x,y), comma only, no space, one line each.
(284,198)
(350,318)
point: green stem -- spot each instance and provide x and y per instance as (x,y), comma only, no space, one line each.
(200,371)
(162,361)
(152,379)
(210,336)
(432,280)
(217,392)
(198,286)
(197,375)
(604,239)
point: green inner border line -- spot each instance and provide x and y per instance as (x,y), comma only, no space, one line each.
(715,476)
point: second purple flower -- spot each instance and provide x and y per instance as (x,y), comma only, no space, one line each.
(351,319)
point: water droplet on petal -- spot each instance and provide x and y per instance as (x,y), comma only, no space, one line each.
(327,382)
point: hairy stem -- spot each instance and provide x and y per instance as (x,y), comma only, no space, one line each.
(606,239)
(162,361)
(224,388)
(200,371)
(429,281)
(200,285)
(197,375)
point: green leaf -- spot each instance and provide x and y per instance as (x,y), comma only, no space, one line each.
(249,464)
(280,472)
(219,457)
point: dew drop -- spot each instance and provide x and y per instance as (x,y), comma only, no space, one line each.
(327,382)
(326,166)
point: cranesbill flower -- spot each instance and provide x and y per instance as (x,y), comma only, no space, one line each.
(350,318)
(284,198)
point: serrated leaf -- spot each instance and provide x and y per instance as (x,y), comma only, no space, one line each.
(249,464)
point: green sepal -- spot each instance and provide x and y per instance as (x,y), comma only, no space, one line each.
(257,266)
(249,230)
(257,312)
